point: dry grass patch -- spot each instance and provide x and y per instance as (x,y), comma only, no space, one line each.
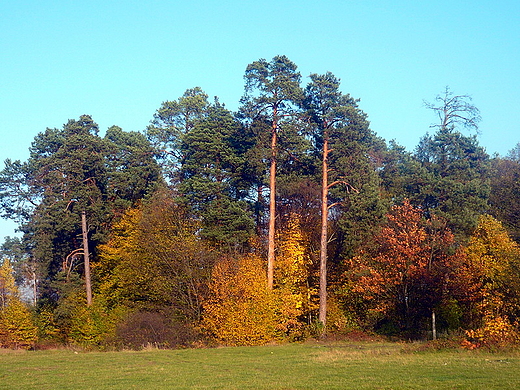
(355,351)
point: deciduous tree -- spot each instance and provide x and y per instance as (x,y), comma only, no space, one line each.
(239,309)
(406,275)
(295,295)
(156,261)
(494,259)
(17,329)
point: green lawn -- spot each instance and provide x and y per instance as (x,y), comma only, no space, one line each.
(295,366)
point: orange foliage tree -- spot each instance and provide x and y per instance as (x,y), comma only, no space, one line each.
(407,275)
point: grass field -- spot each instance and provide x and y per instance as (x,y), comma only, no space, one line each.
(294,366)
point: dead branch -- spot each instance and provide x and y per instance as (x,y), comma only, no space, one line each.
(348,186)
(69,261)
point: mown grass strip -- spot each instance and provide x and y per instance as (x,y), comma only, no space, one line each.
(294,366)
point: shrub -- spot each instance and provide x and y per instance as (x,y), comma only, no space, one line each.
(144,328)
(496,332)
(17,329)
(240,309)
(94,326)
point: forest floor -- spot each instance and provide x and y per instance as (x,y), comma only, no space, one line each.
(310,365)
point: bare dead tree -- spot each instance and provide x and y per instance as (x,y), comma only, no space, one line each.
(455,110)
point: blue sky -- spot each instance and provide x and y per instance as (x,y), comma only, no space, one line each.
(118,60)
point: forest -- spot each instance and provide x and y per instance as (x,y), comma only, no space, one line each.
(286,220)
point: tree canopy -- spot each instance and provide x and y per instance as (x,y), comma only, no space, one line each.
(287,219)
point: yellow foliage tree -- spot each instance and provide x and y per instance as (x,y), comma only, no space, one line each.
(94,325)
(154,264)
(296,300)
(114,257)
(495,262)
(17,329)
(155,259)
(8,288)
(240,309)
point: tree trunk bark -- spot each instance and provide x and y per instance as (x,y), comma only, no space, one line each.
(258,217)
(35,291)
(324,229)
(272,204)
(86,258)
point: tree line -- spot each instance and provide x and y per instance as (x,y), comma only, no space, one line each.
(287,219)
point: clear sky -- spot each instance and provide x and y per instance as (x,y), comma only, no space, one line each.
(118,60)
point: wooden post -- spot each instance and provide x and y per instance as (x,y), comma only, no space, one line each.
(434,326)
(86,258)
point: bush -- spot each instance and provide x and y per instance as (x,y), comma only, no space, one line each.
(143,328)
(94,326)
(17,329)
(496,332)
(240,309)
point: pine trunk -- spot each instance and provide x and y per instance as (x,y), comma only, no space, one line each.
(86,258)
(323,241)
(272,205)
